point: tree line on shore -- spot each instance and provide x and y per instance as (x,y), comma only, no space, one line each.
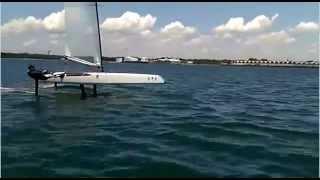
(113,59)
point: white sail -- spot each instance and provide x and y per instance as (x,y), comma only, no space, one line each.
(82,33)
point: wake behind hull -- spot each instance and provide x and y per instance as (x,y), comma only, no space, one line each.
(107,78)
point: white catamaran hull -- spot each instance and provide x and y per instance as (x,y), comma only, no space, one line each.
(105,78)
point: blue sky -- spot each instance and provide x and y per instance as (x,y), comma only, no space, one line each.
(210,13)
(204,16)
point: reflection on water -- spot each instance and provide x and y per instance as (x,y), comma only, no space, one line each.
(205,121)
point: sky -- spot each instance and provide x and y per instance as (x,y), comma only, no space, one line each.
(214,30)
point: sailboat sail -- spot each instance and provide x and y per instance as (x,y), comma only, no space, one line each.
(82,33)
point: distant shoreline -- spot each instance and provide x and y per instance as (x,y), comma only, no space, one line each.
(275,66)
(28,55)
(224,62)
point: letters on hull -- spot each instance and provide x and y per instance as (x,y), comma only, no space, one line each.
(105,78)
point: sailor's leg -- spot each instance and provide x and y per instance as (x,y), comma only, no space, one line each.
(95,90)
(36,86)
(55,86)
(83,92)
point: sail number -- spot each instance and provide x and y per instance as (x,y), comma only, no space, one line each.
(152,78)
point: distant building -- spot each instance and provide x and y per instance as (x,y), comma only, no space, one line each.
(144,60)
(119,59)
(130,59)
(170,60)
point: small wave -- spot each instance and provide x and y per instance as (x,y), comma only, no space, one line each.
(4,89)
(47,86)
(51,85)
(8,90)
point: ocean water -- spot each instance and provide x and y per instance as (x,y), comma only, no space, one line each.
(206,121)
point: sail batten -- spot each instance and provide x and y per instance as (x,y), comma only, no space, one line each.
(81,61)
(82,34)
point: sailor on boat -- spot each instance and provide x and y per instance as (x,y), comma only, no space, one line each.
(85,15)
(38,74)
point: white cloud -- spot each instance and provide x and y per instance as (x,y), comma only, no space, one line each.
(56,36)
(133,34)
(204,50)
(148,34)
(194,42)
(237,24)
(272,38)
(177,30)
(30,42)
(306,27)
(129,22)
(55,42)
(54,22)
(227,36)
(20,25)
(33,34)
(314,48)
(238,40)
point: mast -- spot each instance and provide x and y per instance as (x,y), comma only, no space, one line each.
(101,64)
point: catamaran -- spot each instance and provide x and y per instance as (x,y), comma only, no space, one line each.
(83,45)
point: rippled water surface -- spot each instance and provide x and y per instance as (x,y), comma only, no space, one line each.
(207,120)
